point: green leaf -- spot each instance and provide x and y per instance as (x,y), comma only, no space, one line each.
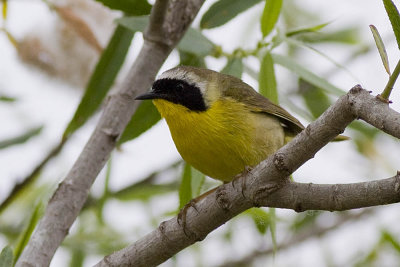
(147,187)
(130,7)
(365,129)
(272,227)
(102,78)
(6,257)
(270,15)
(145,117)
(198,179)
(134,23)
(307,75)
(267,80)
(260,218)
(26,234)
(301,44)
(315,98)
(315,28)
(77,258)
(394,18)
(346,36)
(193,41)
(4,9)
(223,11)
(234,67)
(22,138)
(185,189)
(5,98)
(189,59)
(196,43)
(143,192)
(305,219)
(381,47)
(388,237)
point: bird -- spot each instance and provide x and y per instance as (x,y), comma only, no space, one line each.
(220,125)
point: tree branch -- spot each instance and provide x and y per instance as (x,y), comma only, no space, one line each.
(70,196)
(268,185)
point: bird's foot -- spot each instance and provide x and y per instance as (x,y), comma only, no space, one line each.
(182,215)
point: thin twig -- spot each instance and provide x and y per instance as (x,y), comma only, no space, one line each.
(392,79)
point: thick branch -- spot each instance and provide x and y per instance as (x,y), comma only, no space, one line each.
(267,184)
(67,201)
(334,197)
(378,114)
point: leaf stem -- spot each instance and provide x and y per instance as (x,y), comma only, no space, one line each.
(392,79)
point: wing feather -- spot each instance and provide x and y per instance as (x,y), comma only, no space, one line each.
(242,92)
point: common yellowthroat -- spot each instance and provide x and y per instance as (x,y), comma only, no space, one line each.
(220,125)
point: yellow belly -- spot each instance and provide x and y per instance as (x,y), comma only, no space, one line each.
(223,140)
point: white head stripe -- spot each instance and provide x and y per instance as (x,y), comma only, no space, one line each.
(187,76)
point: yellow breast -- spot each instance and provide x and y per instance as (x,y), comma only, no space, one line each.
(223,140)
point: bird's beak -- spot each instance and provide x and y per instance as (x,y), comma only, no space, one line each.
(149,95)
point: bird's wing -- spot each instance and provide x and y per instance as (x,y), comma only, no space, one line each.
(244,93)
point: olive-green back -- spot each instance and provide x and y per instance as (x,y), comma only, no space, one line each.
(242,92)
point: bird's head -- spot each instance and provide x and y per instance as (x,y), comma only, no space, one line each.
(194,88)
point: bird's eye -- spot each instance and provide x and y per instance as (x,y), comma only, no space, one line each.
(180,86)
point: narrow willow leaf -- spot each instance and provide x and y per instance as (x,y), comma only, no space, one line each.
(145,117)
(223,11)
(22,138)
(347,36)
(77,258)
(196,43)
(198,179)
(193,41)
(129,7)
(272,227)
(307,75)
(302,44)
(102,200)
(369,131)
(5,98)
(10,38)
(26,234)
(315,28)
(267,80)
(315,98)
(4,9)
(270,15)
(260,218)
(388,237)
(394,18)
(102,78)
(6,257)
(189,59)
(143,192)
(381,47)
(185,189)
(147,187)
(134,23)
(234,67)
(304,220)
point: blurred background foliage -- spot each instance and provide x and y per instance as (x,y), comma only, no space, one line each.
(287,33)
